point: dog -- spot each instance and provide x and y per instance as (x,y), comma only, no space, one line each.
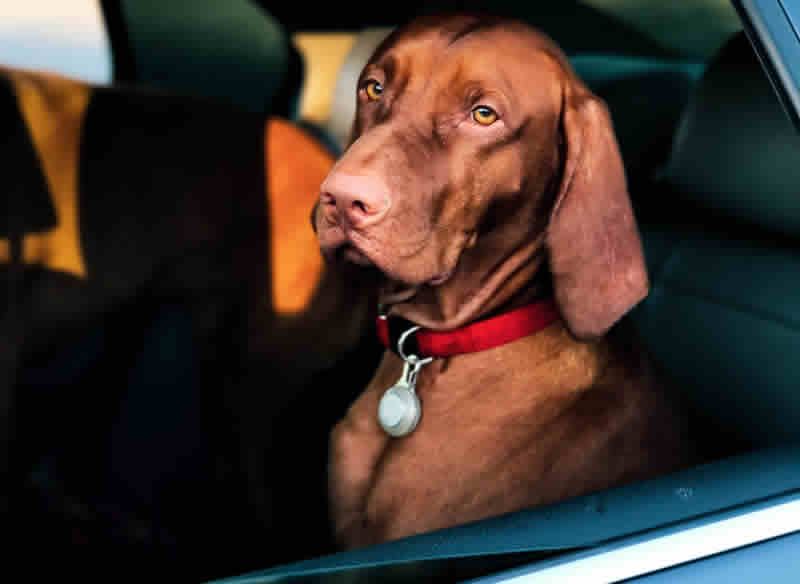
(484,182)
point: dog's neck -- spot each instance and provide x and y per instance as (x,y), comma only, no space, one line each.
(478,289)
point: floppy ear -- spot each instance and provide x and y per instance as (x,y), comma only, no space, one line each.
(593,244)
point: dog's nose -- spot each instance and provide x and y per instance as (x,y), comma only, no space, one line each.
(361,200)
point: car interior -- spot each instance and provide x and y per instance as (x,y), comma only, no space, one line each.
(111,436)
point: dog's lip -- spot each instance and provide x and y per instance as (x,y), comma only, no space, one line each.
(357,249)
(348,250)
(354,255)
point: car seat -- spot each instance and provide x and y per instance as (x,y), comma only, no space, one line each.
(720,229)
(233,51)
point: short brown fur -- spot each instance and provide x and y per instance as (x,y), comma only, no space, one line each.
(466,221)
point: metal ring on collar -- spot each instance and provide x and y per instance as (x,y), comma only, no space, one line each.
(402,354)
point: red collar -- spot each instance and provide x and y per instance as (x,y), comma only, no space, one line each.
(478,336)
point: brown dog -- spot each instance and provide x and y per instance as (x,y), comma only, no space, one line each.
(484,176)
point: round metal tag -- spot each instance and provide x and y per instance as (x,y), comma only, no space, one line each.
(399,410)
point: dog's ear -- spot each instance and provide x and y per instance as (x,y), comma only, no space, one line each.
(593,244)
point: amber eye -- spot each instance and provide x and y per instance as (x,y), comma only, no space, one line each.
(374,89)
(484,115)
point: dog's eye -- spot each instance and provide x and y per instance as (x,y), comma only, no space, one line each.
(374,89)
(484,115)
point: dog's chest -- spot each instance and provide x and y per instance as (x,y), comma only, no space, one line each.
(480,449)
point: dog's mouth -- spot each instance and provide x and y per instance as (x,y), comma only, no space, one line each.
(350,254)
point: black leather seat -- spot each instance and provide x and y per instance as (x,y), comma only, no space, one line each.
(722,235)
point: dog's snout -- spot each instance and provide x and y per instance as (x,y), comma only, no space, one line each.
(358,200)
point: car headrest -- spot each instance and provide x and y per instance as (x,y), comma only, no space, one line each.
(232,51)
(735,152)
(343,101)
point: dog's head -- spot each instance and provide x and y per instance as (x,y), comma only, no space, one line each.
(478,159)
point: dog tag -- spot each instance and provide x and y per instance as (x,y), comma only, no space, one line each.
(399,410)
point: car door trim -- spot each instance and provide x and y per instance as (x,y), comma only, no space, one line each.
(678,546)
